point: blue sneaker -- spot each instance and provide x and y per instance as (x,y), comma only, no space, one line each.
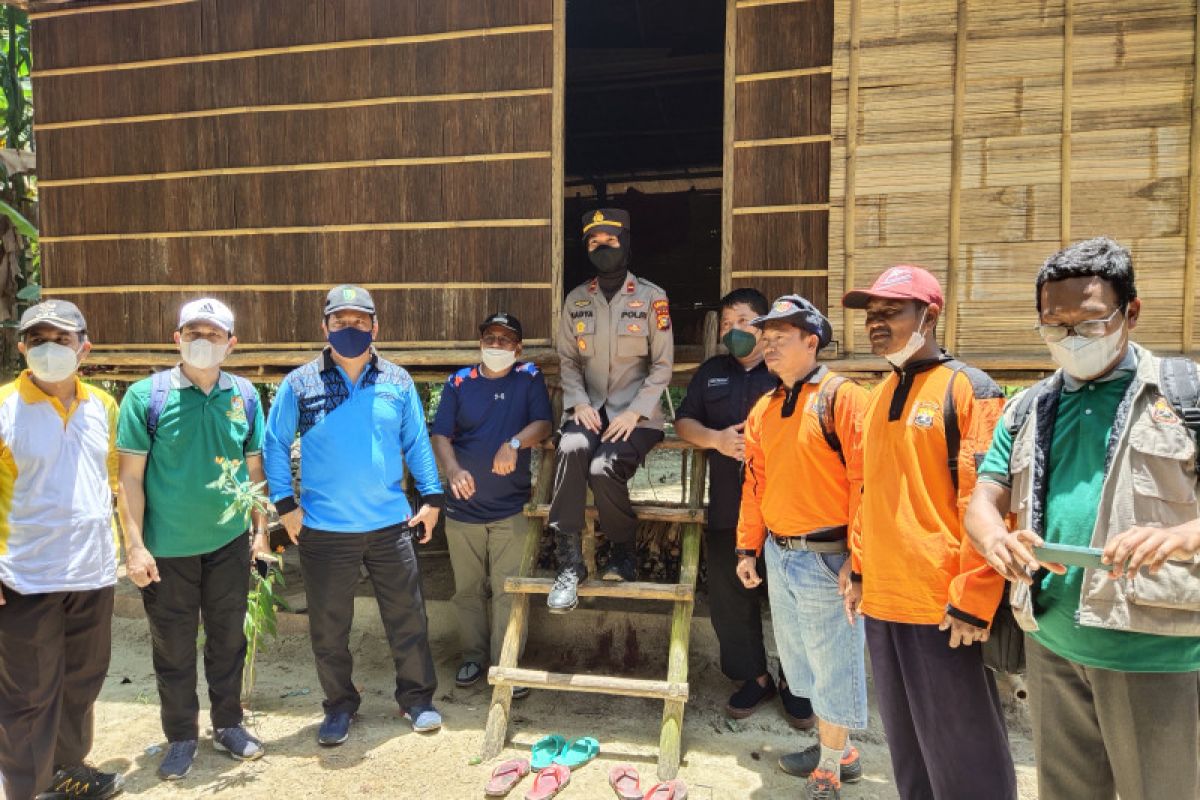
(178,761)
(335,729)
(238,742)
(424,719)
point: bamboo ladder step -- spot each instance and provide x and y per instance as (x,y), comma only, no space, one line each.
(595,684)
(636,590)
(644,513)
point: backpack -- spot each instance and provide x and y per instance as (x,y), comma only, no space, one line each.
(984,388)
(160,389)
(823,405)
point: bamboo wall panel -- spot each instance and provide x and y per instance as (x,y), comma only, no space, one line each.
(469,127)
(777,164)
(207,26)
(1126,92)
(486,64)
(298,148)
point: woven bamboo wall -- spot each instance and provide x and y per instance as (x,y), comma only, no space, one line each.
(264,151)
(777,151)
(983,135)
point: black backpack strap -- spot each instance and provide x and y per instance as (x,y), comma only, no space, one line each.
(1179,382)
(983,387)
(160,389)
(824,406)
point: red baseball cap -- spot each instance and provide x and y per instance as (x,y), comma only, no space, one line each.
(901,282)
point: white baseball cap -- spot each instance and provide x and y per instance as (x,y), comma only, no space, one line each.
(207,310)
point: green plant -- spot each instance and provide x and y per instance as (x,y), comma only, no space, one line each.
(263,602)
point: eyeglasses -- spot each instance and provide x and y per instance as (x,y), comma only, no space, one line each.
(1088,329)
(492,340)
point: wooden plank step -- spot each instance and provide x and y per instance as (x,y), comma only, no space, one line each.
(595,684)
(636,590)
(643,512)
(669,443)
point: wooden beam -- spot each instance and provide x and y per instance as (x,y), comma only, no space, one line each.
(1188,343)
(70,12)
(669,443)
(849,272)
(594,684)
(784,209)
(273,169)
(558,144)
(349,228)
(757,3)
(645,513)
(273,287)
(774,75)
(315,47)
(781,273)
(1068,81)
(780,141)
(954,232)
(635,590)
(727,160)
(224,111)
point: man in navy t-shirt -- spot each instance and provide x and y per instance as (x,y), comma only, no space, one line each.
(490,415)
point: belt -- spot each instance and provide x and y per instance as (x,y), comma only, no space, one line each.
(804,542)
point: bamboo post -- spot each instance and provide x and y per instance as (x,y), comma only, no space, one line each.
(1193,204)
(1068,70)
(557,154)
(950,312)
(730,134)
(851,166)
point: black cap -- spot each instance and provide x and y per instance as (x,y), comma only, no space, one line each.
(59,313)
(504,320)
(608,220)
(350,297)
(794,309)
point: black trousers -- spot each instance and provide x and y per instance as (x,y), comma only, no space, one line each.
(211,587)
(942,715)
(54,653)
(736,611)
(331,569)
(584,460)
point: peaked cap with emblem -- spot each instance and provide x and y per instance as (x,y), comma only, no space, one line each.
(606,220)
(350,297)
(61,314)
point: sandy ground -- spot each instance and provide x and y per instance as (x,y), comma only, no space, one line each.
(384,758)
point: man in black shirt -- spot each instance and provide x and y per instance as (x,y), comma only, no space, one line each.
(712,415)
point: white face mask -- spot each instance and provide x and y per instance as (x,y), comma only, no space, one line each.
(52,362)
(915,342)
(202,354)
(1083,358)
(497,359)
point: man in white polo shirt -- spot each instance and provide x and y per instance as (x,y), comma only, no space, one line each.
(58,561)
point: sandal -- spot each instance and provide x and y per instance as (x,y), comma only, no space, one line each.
(624,780)
(579,752)
(505,776)
(667,790)
(549,782)
(545,750)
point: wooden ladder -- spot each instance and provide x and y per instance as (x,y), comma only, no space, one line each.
(673,691)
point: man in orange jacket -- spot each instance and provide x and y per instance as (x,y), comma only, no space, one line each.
(927,594)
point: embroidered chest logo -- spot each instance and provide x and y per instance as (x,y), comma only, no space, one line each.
(582,303)
(637,304)
(1161,411)
(237,409)
(582,343)
(580,326)
(924,414)
(718,382)
(633,328)
(498,396)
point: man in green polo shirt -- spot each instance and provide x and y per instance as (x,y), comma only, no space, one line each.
(176,430)
(1093,452)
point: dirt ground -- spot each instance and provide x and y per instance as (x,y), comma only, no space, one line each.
(384,758)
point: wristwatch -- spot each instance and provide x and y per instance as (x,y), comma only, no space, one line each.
(514,443)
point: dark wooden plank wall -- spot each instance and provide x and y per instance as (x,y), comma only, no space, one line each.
(779,157)
(261,150)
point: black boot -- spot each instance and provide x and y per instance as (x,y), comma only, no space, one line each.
(622,564)
(571,572)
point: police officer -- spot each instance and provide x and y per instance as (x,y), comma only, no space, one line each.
(616,351)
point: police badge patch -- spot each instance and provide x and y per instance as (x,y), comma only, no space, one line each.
(924,414)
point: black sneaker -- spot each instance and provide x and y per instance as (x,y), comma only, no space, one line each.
(803,763)
(83,782)
(468,674)
(746,700)
(622,565)
(797,710)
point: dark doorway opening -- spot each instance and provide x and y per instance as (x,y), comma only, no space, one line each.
(644,132)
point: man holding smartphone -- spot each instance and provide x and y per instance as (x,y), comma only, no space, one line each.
(1100,456)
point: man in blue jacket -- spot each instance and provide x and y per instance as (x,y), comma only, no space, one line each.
(360,420)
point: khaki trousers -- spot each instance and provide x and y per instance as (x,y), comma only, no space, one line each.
(483,555)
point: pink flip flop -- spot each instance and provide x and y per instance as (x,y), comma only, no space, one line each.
(549,782)
(624,780)
(505,776)
(667,790)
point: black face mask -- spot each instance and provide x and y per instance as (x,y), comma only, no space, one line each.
(609,260)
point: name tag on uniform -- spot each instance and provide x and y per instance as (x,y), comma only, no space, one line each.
(718,382)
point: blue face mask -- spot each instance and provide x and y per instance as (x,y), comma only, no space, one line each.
(350,342)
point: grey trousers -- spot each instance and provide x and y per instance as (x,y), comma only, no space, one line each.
(483,555)
(1099,733)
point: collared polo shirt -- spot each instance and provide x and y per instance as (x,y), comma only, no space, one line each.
(195,432)
(721,394)
(58,473)
(1078,449)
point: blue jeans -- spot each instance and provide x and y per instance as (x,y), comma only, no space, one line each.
(821,654)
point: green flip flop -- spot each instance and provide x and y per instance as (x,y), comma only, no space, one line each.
(579,752)
(545,751)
